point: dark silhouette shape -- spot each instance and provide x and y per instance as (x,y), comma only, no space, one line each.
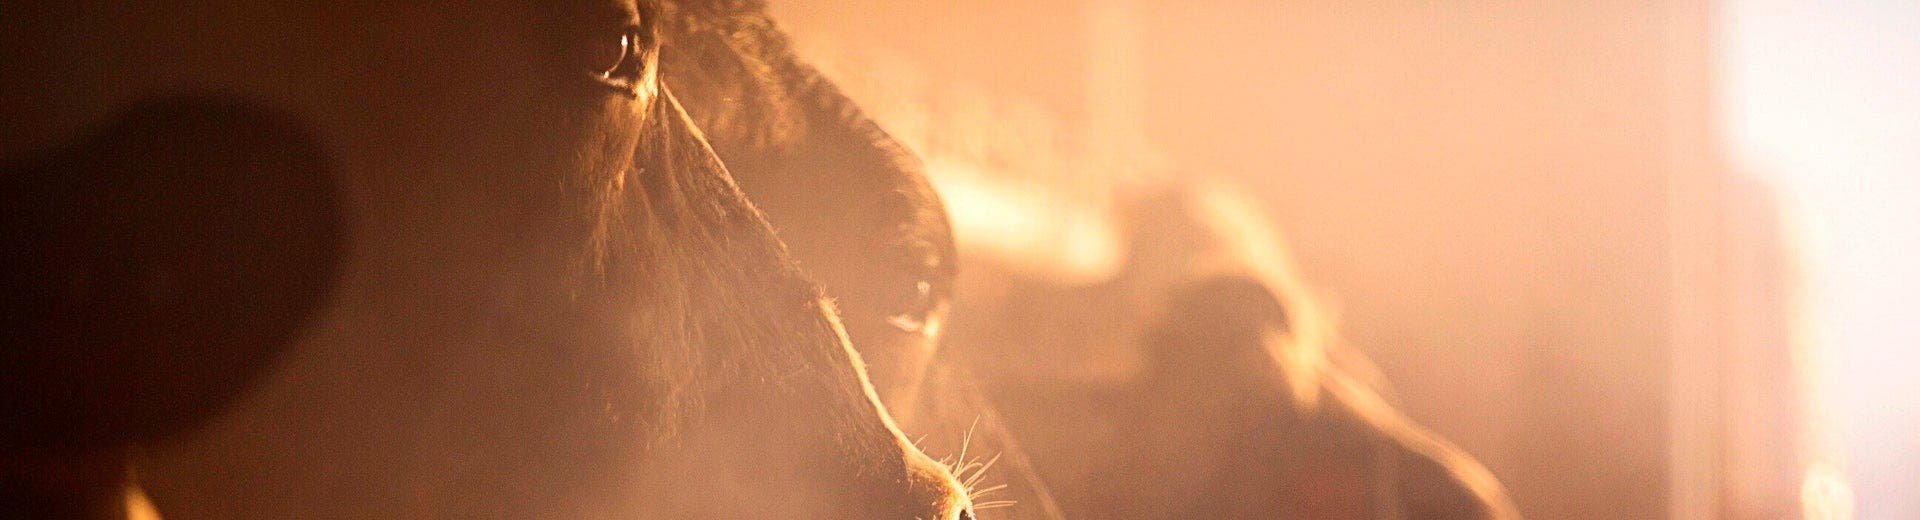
(156,267)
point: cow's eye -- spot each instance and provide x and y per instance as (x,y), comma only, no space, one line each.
(614,57)
(605,53)
(913,307)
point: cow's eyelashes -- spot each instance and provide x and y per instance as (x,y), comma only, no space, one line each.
(615,58)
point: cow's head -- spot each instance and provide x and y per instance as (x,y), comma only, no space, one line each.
(522,286)
(854,205)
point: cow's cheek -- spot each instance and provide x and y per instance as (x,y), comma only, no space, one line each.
(607,150)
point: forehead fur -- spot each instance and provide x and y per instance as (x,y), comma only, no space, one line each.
(737,70)
(764,106)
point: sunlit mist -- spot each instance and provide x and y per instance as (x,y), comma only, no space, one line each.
(1820,103)
(981,260)
(1481,210)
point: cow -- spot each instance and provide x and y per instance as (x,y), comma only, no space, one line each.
(1202,379)
(407,259)
(858,212)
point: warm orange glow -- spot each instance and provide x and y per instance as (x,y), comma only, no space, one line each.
(139,507)
(1825,494)
(1060,238)
(1581,260)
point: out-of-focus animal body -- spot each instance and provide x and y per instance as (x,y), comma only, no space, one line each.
(1204,382)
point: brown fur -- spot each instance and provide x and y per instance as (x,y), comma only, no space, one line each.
(554,301)
(861,216)
(854,204)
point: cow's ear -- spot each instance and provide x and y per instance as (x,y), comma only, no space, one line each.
(153,268)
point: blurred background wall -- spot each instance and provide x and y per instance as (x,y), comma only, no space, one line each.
(1523,211)
(1819,99)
